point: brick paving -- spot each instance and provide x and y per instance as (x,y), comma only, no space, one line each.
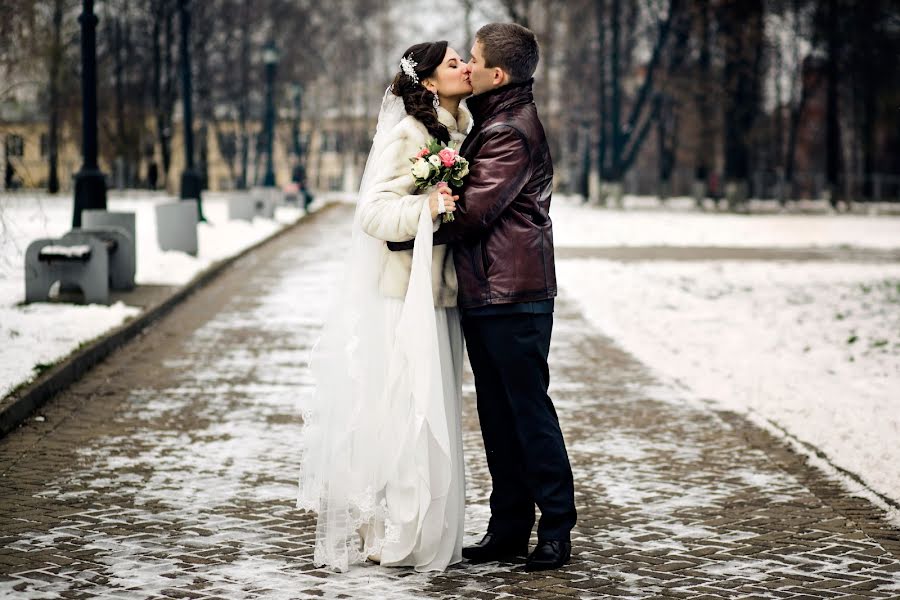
(169,472)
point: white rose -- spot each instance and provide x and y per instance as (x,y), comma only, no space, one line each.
(420,169)
(463,170)
(435,160)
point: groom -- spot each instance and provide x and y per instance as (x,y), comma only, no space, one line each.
(503,249)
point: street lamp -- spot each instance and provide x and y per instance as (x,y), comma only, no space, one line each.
(191,183)
(270,58)
(297,92)
(298,175)
(90,185)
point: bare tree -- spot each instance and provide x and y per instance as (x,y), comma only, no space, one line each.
(872,44)
(518,11)
(741,35)
(703,87)
(667,103)
(621,139)
(830,23)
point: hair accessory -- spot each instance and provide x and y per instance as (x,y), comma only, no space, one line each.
(408,66)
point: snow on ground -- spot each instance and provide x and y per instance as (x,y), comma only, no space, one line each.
(35,336)
(41,334)
(809,349)
(575,224)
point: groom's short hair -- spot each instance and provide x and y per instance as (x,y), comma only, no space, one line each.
(511,47)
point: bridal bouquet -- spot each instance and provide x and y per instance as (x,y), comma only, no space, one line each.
(437,162)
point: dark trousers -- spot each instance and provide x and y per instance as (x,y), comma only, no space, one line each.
(526,453)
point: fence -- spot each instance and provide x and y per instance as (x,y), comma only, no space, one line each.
(762,185)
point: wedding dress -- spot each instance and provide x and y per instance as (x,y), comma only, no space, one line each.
(381,455)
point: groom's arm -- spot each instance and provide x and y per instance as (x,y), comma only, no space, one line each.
(499,172)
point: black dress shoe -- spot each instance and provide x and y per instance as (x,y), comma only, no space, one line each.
(493,547)
(548,555)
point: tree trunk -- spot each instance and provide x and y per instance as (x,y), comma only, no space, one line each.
(627,138)
(518,11)
(243,99)
(780,124)
(741,25)
(165,114)
(119,92)
(832,117)
(662,150)
(703,103)
(869,86)
(807,84)
(604,120)
(468,7)
(615,108)
(158,17)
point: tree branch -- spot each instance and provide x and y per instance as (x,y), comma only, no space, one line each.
(646,87)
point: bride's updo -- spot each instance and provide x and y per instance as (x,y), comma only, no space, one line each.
(417,100)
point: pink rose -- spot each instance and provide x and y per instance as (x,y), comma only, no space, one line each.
(422,153)
(448,156)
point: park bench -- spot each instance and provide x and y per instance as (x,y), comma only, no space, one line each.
(94,260)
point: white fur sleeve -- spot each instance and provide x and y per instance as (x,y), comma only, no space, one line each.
(391,212)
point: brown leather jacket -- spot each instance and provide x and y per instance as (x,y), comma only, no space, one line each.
(502,235)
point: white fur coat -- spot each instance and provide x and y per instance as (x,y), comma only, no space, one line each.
(392,212)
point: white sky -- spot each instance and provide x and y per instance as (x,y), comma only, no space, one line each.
(423,20)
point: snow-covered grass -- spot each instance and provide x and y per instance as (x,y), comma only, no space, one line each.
(809,349)
(37,335)
(575,224)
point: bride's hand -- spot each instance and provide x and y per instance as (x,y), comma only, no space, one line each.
(434,200)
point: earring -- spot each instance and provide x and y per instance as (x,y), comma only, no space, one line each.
(436,101)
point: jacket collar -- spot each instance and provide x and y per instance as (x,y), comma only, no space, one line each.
(488,104)
(460,124)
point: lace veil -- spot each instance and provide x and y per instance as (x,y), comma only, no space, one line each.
(377,396)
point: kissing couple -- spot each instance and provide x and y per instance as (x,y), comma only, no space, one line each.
(428,267)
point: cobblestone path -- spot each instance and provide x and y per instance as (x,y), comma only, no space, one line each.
(169,472)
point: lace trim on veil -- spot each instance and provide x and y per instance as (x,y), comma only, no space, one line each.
(375,450)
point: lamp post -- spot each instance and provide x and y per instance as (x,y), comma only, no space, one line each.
(191,183)
(298,175)
(297,92)
(270,58)
(90,185)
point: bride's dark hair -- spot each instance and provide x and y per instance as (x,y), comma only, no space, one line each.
(417,100)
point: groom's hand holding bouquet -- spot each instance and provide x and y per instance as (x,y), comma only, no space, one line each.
(437,164)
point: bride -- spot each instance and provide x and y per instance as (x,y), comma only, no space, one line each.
(382,461)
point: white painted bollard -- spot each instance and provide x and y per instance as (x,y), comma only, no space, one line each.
(176,226)
(241,207)
(267,199)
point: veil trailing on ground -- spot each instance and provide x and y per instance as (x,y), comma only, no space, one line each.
(377,401)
